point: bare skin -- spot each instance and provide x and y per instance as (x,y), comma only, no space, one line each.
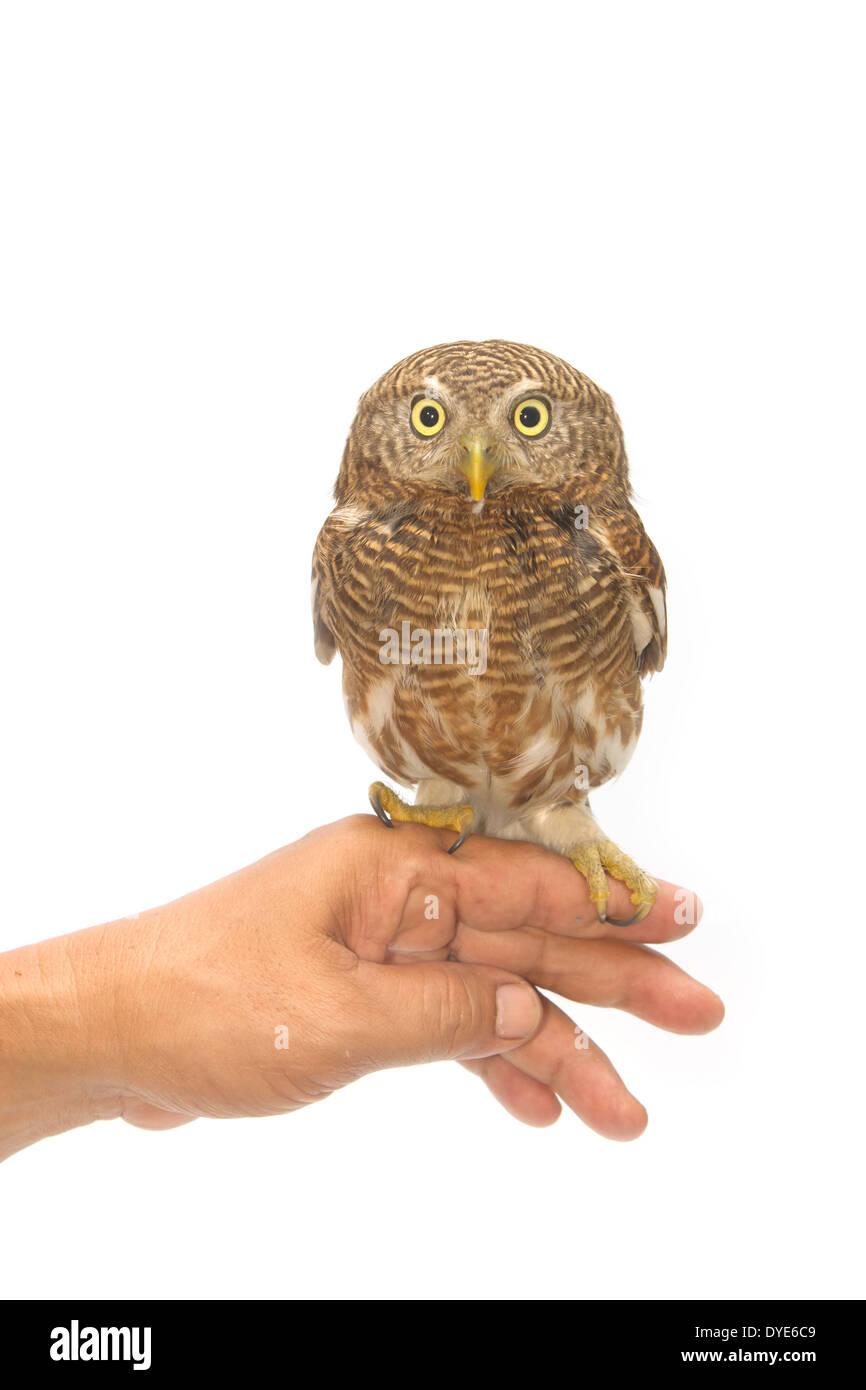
(360,948)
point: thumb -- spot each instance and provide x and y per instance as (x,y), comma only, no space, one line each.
(442,1010)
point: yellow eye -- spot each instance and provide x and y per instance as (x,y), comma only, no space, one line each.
(532,417)
(428,417)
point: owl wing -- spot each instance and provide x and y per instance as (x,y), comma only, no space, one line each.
(343,576)
(345,568)
(642,570)
(324,557)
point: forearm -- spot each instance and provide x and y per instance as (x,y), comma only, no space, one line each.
(56,1034)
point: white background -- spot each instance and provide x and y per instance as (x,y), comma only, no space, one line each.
(221,222)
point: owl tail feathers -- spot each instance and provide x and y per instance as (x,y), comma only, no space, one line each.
(392,811)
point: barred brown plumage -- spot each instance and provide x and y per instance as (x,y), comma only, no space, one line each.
(530,542)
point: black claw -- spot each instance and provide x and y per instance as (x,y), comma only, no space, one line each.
(459,841)
(376,803)
(628,921)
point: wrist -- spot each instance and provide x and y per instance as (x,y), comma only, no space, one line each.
(57,1037)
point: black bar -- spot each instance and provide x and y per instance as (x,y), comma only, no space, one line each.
(225,1337)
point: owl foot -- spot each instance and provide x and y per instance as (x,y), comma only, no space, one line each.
(392,811)
(596,860)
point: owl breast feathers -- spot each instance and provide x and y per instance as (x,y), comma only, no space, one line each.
(487,581)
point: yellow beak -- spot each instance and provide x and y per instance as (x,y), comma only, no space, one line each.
(477,465)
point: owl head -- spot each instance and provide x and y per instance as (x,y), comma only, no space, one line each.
(482,420)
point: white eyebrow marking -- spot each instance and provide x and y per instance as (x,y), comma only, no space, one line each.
(431,387)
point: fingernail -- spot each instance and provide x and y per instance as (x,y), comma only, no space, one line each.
(517,1010)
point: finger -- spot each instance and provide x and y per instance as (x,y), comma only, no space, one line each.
(523,1097)
(562,1057)
(492,884)
(441,1010)
(502,884)
(609,974)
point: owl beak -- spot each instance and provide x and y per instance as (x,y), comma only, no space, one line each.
(477,464)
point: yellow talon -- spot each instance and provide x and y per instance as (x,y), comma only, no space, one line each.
(587,861)
(595,861)
(391,810)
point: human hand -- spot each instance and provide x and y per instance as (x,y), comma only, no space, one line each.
(177,1013)
(520,908)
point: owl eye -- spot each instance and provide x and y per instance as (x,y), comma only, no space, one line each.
(427,417)
(532,417)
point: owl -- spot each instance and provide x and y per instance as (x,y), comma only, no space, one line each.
(495,600)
